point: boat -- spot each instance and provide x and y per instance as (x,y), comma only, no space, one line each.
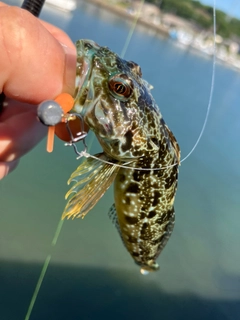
(64,5)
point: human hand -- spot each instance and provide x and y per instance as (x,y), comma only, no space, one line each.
(37,63)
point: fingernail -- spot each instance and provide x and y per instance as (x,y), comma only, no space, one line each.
(4,168)
(11,157)
(7,167)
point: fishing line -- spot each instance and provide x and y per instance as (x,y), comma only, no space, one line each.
(38,286)
(60,224)
(131,31)
(85,154)
(212,85)
(43,272)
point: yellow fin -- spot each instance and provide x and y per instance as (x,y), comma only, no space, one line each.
(92,179)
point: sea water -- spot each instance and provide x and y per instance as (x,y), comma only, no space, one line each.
(90,275)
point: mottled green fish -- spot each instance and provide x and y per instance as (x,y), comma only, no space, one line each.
(116,103)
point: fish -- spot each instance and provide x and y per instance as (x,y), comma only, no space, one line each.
(140,155)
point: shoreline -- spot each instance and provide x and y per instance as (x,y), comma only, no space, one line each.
(124,14)
(162,31)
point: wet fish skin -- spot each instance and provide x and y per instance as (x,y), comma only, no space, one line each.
(116,103)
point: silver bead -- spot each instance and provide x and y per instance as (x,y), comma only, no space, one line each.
(50,112)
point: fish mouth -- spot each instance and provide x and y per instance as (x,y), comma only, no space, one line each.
(82,82)
(148,267)
(86,50)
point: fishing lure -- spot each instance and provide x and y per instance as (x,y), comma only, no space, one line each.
(140,153)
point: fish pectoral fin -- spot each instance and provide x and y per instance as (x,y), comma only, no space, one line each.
(92,179)
(112,213)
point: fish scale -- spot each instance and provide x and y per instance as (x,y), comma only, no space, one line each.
(117,105)
(144,207)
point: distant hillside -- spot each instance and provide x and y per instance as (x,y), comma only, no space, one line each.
(202,15)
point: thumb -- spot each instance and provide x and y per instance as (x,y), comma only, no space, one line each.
(34,65)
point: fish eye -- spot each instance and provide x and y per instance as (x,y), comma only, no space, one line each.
(120,87)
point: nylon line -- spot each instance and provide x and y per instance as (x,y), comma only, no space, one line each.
(60,223)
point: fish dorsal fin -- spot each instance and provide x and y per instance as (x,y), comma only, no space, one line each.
(92,179)
(148,85)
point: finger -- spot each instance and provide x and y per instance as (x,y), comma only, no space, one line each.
(7,167)
(20,132)
(11,107)
(34,65)
(58,34)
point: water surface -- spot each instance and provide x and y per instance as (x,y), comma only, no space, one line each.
(91,276)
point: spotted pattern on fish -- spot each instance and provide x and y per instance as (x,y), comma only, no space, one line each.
(117,105)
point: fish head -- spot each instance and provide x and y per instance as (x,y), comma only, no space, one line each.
(111,97)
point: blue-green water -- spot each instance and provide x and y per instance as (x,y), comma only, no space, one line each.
(91,276)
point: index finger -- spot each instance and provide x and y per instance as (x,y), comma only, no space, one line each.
(58,34)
